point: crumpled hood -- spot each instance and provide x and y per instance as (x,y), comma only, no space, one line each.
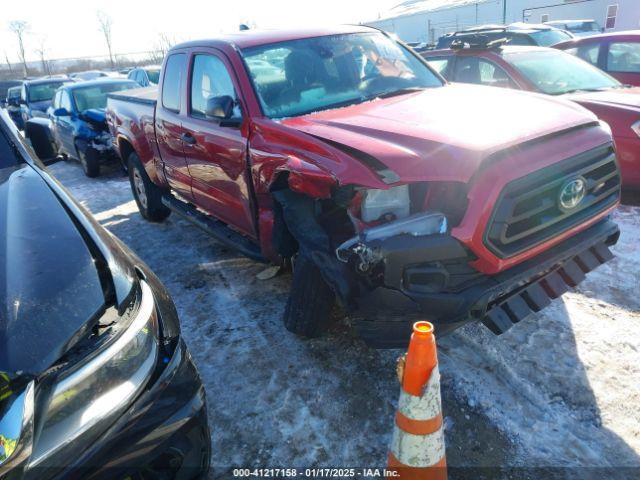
(97,115)
(442,133)
(97,118)
(49,285)
(617,97)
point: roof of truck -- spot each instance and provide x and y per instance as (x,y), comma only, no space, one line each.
(253,38)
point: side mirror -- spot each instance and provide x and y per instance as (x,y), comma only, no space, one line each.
(220,107)
(61,112)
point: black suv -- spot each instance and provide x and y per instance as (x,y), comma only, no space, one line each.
(515,34)
(95,380)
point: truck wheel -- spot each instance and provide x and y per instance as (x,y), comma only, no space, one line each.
(90,161)
(310,300)
(147,194)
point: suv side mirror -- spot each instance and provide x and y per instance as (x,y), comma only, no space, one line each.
(220,107)
(61,112)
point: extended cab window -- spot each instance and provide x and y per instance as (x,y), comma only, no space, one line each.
(210,78)
(302,76)
(624,57)
(172,84)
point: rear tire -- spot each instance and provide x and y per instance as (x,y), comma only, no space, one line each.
(90,161)
(148,195)
(310,300)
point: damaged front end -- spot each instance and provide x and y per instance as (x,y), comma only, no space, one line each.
(391,259)
(367,248)
(94,133)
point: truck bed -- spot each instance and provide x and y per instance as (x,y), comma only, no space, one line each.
(144,95)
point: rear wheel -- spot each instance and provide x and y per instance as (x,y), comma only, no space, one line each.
(148,195)
(310,300)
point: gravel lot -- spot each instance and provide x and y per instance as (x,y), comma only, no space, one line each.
(561,389)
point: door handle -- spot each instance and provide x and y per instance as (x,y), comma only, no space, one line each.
(188,139)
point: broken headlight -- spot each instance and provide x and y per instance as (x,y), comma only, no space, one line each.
(376,203)
(417,225)
(83,402)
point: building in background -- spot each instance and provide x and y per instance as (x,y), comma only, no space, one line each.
(427,20)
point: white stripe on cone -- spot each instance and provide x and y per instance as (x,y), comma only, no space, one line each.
(419,451)
(427,406)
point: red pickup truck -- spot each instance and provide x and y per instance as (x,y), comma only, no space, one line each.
(401,195)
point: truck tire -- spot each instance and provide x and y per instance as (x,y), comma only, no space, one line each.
(310,300)
(148,195)
(90,160)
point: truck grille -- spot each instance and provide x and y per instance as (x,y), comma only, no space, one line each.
(529,212)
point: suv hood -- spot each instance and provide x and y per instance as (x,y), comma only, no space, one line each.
(615,97)
(442,133)
(50,290)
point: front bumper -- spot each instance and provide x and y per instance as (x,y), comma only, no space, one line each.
(430,279)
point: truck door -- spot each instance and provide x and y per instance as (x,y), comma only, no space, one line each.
(217,154)
(168,125)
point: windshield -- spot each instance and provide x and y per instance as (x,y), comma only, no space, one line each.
(40,92)
(546,38)
(95,96)
(154,76)
(555,72)
(13,92)
(579,27)
(302,76)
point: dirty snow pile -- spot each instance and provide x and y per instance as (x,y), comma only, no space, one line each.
(562,388)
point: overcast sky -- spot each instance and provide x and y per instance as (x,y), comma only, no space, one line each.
(69,28)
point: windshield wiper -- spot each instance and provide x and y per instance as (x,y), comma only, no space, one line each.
(402,91)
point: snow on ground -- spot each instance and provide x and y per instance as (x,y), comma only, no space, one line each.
(561,388)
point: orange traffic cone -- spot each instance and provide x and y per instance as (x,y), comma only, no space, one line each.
(417,447)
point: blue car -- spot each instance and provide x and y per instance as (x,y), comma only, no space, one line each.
(78,122)
(36,95)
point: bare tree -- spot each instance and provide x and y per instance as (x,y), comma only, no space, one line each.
(42,51)
(160,48)
(6,57)
(20,28)
(105,27)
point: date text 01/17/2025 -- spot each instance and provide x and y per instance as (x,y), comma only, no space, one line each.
(314,473)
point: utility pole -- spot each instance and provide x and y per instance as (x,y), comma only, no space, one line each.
(504,12)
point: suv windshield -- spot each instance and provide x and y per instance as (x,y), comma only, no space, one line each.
(302,76)
(154,75)
(555,72)
(95,96)
(39,92)
(13,93)
(580,27)
(546,38)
